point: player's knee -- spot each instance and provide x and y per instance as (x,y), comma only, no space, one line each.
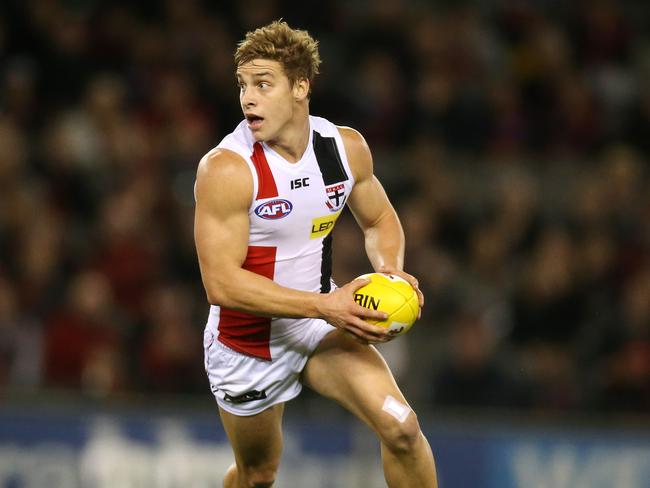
(259,476)
(401,437)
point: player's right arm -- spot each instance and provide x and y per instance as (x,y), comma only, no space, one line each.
(224,192)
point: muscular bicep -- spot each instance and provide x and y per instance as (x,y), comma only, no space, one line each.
(368,201)
(221,223)
(383,235)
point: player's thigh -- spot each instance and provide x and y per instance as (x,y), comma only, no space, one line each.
(354,375)
(256,439)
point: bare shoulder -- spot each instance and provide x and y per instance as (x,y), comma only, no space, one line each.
(358,152)
(221,163)
(223,174)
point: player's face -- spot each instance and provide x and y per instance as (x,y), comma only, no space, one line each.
(266,97)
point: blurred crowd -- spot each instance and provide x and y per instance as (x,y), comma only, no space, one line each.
(512,136)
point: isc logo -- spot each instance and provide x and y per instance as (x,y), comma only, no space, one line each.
(274,209)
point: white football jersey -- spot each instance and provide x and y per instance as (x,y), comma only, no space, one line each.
(294,209)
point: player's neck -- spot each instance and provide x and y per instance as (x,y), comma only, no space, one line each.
(292,142)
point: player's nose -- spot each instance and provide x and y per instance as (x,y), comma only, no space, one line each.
(247,98)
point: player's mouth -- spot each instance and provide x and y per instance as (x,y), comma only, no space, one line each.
(254,121)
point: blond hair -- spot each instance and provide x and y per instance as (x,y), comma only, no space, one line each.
(295,49)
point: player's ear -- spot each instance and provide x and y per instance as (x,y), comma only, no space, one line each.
(301,89)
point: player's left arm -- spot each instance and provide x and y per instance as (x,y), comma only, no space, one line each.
(384,236)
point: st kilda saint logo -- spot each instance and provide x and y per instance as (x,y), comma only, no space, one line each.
(335,197)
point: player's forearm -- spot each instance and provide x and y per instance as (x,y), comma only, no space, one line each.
(385,242)
(249,292)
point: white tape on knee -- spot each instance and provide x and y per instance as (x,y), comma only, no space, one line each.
(396,408)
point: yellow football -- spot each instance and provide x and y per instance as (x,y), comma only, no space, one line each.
(393,295)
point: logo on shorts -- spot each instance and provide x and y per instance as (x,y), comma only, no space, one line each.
(274,209)
(249,396)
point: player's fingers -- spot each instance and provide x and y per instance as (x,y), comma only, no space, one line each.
(359,335)
(410,279)
(370,339)
(420,297)
(365,330)
(358,283)
(370,331)
(369,314)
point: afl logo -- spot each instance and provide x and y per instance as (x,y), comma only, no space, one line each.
(274,209)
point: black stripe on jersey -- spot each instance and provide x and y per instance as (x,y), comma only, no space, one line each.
(329,159)
(326,265)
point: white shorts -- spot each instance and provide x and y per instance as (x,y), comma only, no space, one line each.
(245,385)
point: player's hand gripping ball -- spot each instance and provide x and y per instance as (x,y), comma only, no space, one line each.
(393,295)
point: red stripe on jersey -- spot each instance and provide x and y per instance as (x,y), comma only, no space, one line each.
(266,183)
(245,332)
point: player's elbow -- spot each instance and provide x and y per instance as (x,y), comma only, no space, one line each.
(214,296)
(218,291)
(219,295)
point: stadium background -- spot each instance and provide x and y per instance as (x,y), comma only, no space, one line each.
(512,136)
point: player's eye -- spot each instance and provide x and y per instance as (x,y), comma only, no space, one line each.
(263,85)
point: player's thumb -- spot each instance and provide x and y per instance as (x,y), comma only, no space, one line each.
(358,283)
